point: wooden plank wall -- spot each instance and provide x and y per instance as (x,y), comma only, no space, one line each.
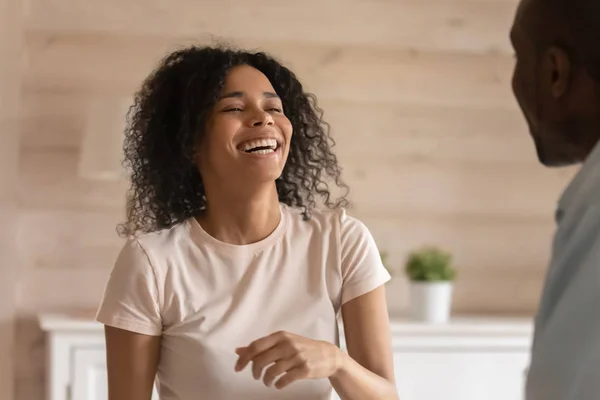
(417,94)
(11,55)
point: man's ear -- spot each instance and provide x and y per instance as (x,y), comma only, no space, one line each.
(559,68)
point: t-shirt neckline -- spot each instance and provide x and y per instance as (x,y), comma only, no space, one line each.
(198,231)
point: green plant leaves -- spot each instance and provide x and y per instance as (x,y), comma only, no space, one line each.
(430,264)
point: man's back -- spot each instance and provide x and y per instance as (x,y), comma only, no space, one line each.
(566,352)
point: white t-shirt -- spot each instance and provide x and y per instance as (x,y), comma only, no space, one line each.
(206,298)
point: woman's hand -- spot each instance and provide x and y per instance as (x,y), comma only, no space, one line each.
(294,356)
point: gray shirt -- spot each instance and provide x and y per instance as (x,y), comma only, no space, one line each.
(565,360)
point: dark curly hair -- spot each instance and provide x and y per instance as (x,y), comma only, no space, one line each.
(168,118)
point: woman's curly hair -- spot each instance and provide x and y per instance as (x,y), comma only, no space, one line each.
(168,118)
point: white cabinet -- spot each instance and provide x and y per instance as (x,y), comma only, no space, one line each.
(89,374)
(460,375)
(76,358)
(468,359)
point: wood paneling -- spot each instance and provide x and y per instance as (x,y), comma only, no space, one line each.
(440,25)
(441,133)
(11,29)
(478,244)
(387,185)
(84,284)
(418,97)
(507,295)
(52,121)
(68,239)
(101,147)
(50,181)
(116,65)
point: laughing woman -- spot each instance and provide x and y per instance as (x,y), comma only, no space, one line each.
(231,280)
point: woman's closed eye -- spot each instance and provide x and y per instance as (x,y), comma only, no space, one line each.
(239,109)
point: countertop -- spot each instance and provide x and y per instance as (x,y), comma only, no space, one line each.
(458,325)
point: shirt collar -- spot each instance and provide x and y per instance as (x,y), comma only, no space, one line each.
(589,169)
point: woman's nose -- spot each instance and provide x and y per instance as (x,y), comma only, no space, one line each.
(261,118)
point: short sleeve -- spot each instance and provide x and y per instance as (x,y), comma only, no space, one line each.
(362,268)
(130,299)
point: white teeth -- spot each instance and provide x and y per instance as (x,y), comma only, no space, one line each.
(265,151)
(271,143)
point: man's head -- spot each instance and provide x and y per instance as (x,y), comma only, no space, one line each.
(556,79)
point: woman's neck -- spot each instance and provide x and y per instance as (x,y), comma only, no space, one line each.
(241,220)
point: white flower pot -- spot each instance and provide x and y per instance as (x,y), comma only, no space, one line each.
(431,302)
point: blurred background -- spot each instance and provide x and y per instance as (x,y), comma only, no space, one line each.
(419,101)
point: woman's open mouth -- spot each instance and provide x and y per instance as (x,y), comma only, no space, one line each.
(259,146)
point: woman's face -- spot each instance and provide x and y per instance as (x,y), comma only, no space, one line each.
(247,135)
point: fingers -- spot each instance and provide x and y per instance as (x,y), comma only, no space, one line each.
(295,374)
(289,357)
(274,354)
(257,347)
(280,350)
(277,369)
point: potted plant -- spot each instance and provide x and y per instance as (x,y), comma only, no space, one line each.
(431,277)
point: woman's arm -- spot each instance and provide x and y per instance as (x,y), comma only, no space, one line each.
(367,371)
(132,359)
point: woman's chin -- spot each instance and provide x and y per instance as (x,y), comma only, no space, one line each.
(256,176)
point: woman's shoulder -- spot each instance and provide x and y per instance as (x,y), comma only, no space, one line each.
(323,218)
(163,241)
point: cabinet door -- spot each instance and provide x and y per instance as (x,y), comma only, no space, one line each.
(89,381)
(460,375)
(89,374)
